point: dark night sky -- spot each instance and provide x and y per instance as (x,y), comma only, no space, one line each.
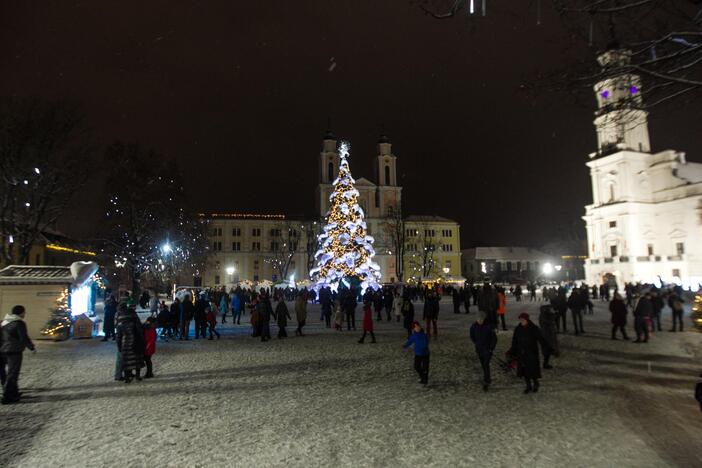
(239,93)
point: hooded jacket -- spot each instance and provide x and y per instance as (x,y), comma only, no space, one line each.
(13,335)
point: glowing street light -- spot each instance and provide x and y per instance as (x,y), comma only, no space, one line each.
(230,270)
(166,248)
(547,269)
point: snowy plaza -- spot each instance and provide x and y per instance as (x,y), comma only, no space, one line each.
(325,400)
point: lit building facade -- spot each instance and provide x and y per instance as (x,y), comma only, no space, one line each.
(645,218)
(250,246)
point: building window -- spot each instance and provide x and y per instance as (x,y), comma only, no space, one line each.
(216,232)
(519,266)
(447,247)
(256,246)
(676,273)
(528,266)
(236,246)
(612,250)
(509,266)
(330,171)
(650,249)
(446,233)
(256,232)
(275,233)
(387,175)
(217,246)
(612,194)
(680,248)
(612,224)
(236,232)
(410,232)
(274,246)
(216,279)
(255,264)
(429,233)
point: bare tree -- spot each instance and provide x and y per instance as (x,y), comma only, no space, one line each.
(286,242)
(396,232)
(422,245)
(44,156)
(312,230)
(147,229)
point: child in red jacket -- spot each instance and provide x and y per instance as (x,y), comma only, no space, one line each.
(149,345)
(367,321)
(212,319)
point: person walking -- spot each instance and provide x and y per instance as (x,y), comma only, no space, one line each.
(420,341)
(618,309)
(338,316)
(281,314)
(130,343)
(149,346)
(501,307)
(367,322)
(431,312)
(676,306)
(483,336)
(211,318)
(487,302)
(349,304)
(378,305)
(236,306)
(224,307)
(186,315)
(388,301)
(456,297)
(175,317)
(407,309)
(658,304)
(264,309)
(466,297)
(525,349)
(108,323)
(200,316)
(14,339)
(300,312)
(643,309)
(549,330)
(576,304)
(560,305)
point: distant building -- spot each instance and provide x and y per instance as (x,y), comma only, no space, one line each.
(510,264)
(52,249)
(644,221)
(251,245)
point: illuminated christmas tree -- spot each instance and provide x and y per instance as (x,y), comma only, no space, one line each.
(346,251)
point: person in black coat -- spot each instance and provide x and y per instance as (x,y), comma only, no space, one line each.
(348,303)
(407,311)
(559,302)
(483,335)
(487,302)
(130,344)
(109,318)
(431,312)
(457,299)
(549,330)
(281,314)
(576,303)
(188,311)
(264,310)
(642,314)
(388,300)
(200,316)
(525,349)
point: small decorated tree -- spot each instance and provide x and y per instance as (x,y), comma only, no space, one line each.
(346,251)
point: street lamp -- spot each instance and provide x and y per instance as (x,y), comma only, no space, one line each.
(166,248)
(230,270)
(547,268)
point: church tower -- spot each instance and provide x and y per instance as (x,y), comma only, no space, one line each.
(388,192)
(620,122)
(328,168)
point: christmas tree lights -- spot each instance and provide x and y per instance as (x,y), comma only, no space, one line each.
(346,251)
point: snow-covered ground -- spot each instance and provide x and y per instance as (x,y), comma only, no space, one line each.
(325,400)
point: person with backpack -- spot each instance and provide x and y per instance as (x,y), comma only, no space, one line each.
(420,341)
(483,336)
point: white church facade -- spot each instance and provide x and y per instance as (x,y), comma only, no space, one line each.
(645,220)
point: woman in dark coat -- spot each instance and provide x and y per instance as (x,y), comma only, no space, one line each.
(549,330)
(618,310)
(109,319)
(407,315)
(525,349)
(130,344)
(282,315)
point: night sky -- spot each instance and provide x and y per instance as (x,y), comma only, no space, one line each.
(240,94)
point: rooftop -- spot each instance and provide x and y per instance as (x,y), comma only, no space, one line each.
(33,274)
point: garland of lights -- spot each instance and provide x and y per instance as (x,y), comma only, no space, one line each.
(346,251)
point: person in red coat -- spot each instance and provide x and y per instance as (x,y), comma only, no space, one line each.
(149,345)
(367,321)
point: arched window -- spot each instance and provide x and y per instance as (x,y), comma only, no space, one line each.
(387,175)
(330,171)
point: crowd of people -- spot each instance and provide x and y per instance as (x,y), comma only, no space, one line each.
(197,314)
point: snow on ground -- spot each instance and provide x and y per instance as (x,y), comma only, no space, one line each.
(325,400)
